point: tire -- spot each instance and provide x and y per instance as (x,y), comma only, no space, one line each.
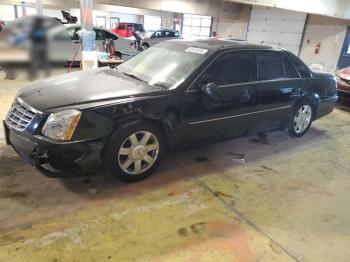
(127,156)
(300,119)
(145,46)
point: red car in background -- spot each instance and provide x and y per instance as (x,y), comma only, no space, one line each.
(126,29)
(343,83)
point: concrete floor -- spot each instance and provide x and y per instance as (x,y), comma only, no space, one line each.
(288,202)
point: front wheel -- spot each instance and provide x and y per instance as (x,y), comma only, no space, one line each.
(145,46)
(134,151)
(300,119)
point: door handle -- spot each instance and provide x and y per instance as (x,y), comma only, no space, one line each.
(246,93)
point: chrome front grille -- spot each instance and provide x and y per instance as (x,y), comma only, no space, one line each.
(19,116)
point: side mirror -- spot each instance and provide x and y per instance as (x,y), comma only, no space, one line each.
(210,90)
(213,94)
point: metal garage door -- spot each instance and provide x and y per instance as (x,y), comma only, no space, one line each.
(277,27)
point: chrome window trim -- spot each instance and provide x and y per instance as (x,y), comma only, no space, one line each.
(250,83)
(239,115)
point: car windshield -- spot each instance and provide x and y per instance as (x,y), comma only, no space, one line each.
(167,64)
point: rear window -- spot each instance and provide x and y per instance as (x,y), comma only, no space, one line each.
(169,34)
(304,71)
(269,65)
(289,68)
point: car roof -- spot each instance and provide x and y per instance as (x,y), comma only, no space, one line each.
(170,30)
(127,23)
(221,44)
(94,27)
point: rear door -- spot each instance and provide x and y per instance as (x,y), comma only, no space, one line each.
(65,44)
(278,86)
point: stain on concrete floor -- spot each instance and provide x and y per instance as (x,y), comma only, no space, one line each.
(287,202)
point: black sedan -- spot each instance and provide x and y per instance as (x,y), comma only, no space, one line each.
(176,94)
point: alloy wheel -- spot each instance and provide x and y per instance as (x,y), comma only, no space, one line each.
(138,152)
(302,119)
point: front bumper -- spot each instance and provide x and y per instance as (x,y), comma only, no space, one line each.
(57,159)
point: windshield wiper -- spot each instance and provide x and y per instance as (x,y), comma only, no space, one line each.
(134,76)
(161,84)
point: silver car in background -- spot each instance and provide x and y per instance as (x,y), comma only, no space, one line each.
(152,37)
(68,41)
(62,40)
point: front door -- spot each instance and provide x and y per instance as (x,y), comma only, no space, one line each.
(226,114)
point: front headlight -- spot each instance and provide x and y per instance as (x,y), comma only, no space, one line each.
(61,125)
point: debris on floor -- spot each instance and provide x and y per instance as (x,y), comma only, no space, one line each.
(237,158)
(198,228)
(93,190)
(201,159)
(182,231)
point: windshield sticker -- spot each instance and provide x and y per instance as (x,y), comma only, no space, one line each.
(196,50)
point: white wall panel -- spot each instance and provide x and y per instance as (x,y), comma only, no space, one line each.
(330,34)
(53,13)
(278,27)
(7,12)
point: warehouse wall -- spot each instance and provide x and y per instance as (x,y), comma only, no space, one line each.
(234,23)
(330,33)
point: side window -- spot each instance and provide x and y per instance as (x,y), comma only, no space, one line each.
(269,65)
(169,34)
(289,68)
(72,33)
(130,28)
(100,34)
(229,68)
(63,35)
(304,71)
(158,34)
(121,27)
(111,36)
(176,34)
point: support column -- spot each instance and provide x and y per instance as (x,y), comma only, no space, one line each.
(15,10)
(39,7)
(24,11)
(88,35)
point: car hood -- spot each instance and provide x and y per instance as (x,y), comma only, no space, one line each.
(79,89)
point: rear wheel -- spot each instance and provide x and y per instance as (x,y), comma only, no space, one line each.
(145,46)
(300,119)
(134,151)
